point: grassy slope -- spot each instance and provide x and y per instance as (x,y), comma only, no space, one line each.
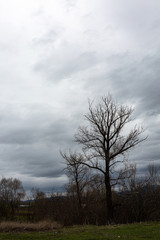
(124,232)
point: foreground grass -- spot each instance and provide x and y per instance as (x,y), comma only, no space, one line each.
(124,232)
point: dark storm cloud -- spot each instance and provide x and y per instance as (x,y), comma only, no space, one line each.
(49,186)
(53,132)
(29,158)
(28,125)
(56,172)
(31,143)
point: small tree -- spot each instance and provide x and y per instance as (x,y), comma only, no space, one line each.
(11,192)
(105,143)
(77,174)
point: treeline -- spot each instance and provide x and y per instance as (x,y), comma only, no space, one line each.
(135,200)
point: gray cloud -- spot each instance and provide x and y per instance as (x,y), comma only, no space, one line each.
(139,80)
(48,39)
(54,56)
(56,68)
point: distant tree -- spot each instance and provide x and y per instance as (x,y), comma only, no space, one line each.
(11,192)
(77,174)
(37,194)
(105,143)
(130,182)
(153,175)
(40,206)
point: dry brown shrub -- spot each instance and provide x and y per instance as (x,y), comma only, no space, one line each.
(32,227)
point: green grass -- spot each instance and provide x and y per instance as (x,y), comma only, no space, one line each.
(143,231)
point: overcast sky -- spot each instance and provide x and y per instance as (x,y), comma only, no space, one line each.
(54,55)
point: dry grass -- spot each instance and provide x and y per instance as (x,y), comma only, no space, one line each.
(30,227)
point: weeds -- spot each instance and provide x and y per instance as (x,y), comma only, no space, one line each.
(33,227)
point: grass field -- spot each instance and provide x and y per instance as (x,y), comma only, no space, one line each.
(124,232)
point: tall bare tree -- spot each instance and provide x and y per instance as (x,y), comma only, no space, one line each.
(105,143)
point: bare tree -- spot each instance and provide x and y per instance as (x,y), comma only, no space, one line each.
(105,143)
(77,174)
(11,192)
(153,175)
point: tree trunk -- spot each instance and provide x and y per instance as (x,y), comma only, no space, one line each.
(109,204)
(78,194)
(79,198)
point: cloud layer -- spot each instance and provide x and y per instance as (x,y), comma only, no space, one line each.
(57,54)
